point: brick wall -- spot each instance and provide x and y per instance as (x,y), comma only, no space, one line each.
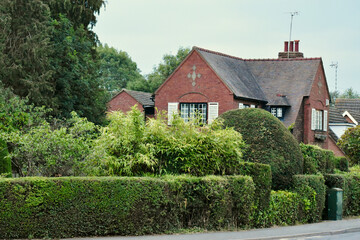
(123,102)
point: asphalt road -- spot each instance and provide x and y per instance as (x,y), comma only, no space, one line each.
(344,229)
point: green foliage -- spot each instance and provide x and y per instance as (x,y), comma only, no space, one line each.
(161,72)
(116,69)
(44,151)
(5,164)
(269,143)
(350,144)
(129,146)
(342,163)
(71,207)
(283,210)
(350,183)
(53,62)
(317,160)
(312,191)
(261,175)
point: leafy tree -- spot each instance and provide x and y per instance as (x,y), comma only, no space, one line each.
(350,93)
(116,69)
(48,54)
(25,49)
(75,72)
(161,72)
(350,144)
(333,96)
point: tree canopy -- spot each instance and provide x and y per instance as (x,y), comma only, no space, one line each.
(47,54)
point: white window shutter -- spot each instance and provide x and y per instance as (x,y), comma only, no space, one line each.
(172,109)
(213,111)
(252,106)
(313,119)
(325,120)
(241,106)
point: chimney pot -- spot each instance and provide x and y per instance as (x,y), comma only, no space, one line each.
(291,46)
(286,46)
(297,45)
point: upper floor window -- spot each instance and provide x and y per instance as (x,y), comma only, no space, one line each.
(319,119)
(277,112)
(242,106)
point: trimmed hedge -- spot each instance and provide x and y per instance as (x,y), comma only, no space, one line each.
(317,160)
(269,143)
(261,175)
(69,207)
(312,190)
(342,163)
(350,184)
(283,210)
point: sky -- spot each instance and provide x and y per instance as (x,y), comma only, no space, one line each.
(250,29)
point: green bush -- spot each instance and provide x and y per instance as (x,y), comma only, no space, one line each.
(5,163)
(261,175)
(312,190)
(69,207)
(317,160)
(350,183)
(283,210)
(350,144)
(342,163)
(269,143)
(131,147)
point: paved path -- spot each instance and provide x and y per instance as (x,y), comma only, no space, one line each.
(346,228)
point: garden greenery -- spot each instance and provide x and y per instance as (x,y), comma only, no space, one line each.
(129,146)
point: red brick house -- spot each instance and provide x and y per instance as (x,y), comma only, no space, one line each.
(125,99)
(291,87)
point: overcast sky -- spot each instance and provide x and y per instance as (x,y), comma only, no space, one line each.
(148,29)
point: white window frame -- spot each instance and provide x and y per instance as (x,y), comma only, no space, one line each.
(319,119)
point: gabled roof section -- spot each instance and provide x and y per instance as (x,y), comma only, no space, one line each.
(280,101)
(335,116)
(144,98)
(292,78)
(234,73)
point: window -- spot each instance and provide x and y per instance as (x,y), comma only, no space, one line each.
(191,110)
(319,119)
(277,112)
(242,106)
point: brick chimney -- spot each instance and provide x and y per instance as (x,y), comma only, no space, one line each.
(289,51)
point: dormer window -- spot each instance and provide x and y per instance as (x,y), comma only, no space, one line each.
(277,111)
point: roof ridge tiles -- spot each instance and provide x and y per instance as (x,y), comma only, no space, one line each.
(217,53)
(260,59)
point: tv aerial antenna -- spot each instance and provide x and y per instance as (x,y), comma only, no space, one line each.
(292,14)
(335,65)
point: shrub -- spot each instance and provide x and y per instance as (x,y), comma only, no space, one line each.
(342,163)
(317,160)
(312,190)
(283,209)
(350,183)
(269,143)
(45,151)
(128,147)
(350,144)
(5,163)
(69,207)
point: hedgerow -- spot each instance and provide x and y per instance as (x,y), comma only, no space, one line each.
(317,160)
(312,192)
(70,207)
(269,143)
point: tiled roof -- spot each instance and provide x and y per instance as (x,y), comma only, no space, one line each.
(335,116)
(236,75)
(279,100)
(265,79)
(348,104)
(142,97)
